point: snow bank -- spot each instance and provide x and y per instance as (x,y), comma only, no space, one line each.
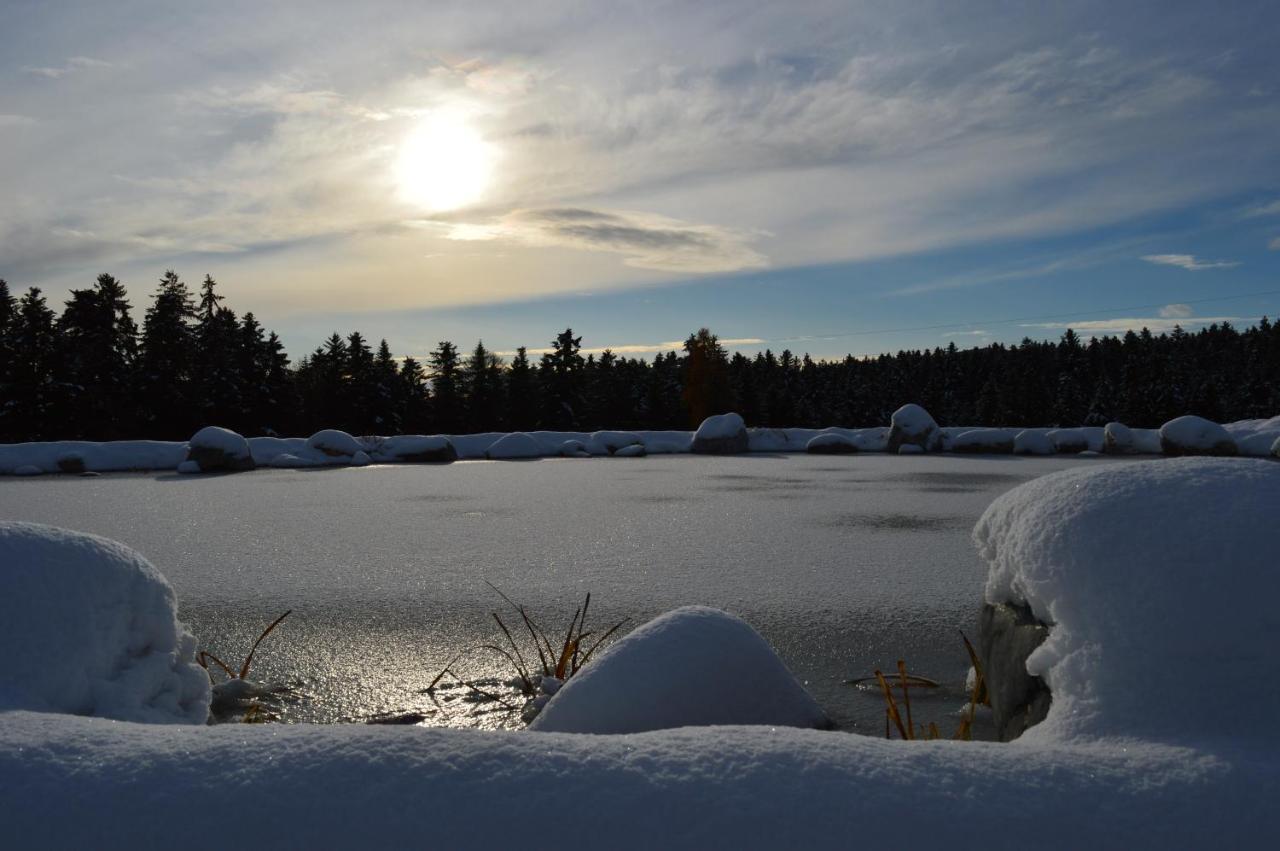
(1195,436)
(990,440)
(695,666)
(1159,582)
(415,448)
(89,627)
(98,457)
(830,444)
(609,442)
(1033,441)
(1255,437)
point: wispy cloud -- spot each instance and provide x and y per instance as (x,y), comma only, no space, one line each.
(975,333)
(71,66)
(647,241)
(1259,210)
(1188,261)
(1176,311)
(1155,324)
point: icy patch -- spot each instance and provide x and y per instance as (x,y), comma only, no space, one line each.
(89,627)
(695,666)
(1152,576)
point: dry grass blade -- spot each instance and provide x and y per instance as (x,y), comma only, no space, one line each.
(535,632)
(486,695)
(933,731)
(248,660)
(446,670)
(906,694)
(521,668)
(891,706)
(204,657)
(568,648)
(526,684)
(916,681)
(617,626)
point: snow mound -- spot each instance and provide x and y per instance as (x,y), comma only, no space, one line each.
(214,448)
(609,442)
(721,434)
(694,666)
(633,450)
(1069,441)
(912,425)
(334,443)
(1032,442)
(1117,439)
(573,449)
(1159,583)
(1195,436)
(514,445)
(89,627)
(28,470)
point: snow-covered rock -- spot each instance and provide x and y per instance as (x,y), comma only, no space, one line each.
(1191,435)
(89,627)
(417,449)
(573,449)
(1069,441)
(188,468)
(609,442)
(334,443)
(514,446)
(289,461)
(1151,576)
(1033,441)
(361,459)
(28,470)
(72,464)
(1275,448)
(830,444)
(985,440)
(721,434)
(694,666)
(910,449)
(1118,439)
(219,449)
(911,424)
(632,450)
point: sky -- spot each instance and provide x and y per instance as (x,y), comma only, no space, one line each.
(831,178)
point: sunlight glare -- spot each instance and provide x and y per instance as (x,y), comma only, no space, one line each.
(444,163)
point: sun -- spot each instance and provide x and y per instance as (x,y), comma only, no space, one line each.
(444,163)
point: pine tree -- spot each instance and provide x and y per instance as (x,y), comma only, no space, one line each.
(165,363)
(523,402)
(706,377)
(35,392)
(99,342)
(560,377)
(446,396)
(481,388)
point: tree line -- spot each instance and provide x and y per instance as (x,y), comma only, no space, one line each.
(91,373)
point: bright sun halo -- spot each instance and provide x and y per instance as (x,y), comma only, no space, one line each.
(444,164)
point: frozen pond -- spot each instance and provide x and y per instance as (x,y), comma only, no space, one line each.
(844,563)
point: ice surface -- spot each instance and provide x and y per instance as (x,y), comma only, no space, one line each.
(89,627)
(695,666)
(1154,576)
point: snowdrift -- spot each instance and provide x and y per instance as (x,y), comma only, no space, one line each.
(89,627)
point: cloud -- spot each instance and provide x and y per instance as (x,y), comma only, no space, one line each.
(646,240)
(1188,261)
(976,333)
(1271,209)
(11,120)
(649,348)
(1176,311)
(71,66)
(1274,244)
(1155,324)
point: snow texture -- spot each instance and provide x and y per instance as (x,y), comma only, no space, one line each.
(912,425)
(89,627)
(1159,582)
(695,666)
(831,443)
(997,440)
(1192,435)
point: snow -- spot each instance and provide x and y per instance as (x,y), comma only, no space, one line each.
(413,447)
(98,457)
(695,666)
(89,627)
(28,470)
(222,439)
(910,449)
(830,443)
(515,446)
(720,426)
(609,442)
(911,424)
(189,468)
(983,440)
(1191,435)
(1159,582)
(1033,441)
(634,450)
(333,442)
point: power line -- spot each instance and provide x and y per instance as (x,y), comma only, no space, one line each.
(870,331)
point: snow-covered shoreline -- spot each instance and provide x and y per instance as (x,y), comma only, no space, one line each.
(1254,438)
